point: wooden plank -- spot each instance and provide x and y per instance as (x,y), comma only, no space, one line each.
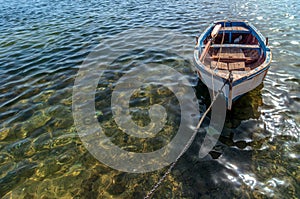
(243,46)
(203,54)
(221,65)
(236,66)
(232,59)
(235,29)
(231,53)
(214,33)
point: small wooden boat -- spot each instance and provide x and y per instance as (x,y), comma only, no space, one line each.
(233,53)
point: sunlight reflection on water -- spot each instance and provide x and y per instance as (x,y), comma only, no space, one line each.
(42,45)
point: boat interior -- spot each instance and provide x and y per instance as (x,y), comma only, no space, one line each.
(234,49)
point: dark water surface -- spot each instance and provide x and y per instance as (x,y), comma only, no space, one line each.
(43,44)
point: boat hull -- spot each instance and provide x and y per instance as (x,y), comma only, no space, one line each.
(232,91)
(238,77)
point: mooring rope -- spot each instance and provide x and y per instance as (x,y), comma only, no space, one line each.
(155,187)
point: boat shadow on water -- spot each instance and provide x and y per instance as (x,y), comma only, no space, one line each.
(244,108)
(219,174)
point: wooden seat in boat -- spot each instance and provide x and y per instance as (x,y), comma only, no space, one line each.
(235,29)
(233,59)
(220,66)
(236,66)
(243,46)
(234,56)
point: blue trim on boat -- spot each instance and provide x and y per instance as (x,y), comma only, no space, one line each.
(234,99)
(249,77)
(237,97)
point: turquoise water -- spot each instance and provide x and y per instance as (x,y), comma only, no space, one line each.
(42,46)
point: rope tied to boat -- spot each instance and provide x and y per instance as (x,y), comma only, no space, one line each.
(172,165)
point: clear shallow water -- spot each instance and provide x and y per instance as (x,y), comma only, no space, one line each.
(42,45)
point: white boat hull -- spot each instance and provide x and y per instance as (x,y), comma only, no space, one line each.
(231,93)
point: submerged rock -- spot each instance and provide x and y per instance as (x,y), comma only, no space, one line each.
(19,174)
(38,120)
(3,133)
(118,185)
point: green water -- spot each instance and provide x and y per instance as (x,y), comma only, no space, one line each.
(42,46)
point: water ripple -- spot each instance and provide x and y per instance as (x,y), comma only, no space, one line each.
(42,45)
